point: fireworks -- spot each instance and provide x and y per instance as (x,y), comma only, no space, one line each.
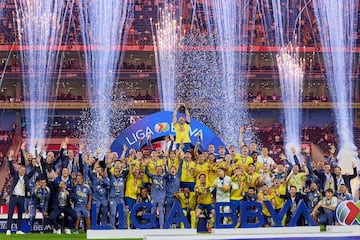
(291,80)
(168,36)
(40,27)
(103,24)
(337,21)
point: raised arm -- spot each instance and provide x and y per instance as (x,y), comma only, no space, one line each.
(180,167)
(11,166)
(187,115)
(148,142)
(306,169)
(166,150)
(296,159)
(289,177)
(241,136)
(63,148)
(174,119)
(196,150)
(354,175)
(36,149)
(123,153)
(308,164)
(23,156)
(150,175)
(140,144)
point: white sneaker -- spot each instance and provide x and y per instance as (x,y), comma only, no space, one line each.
(20,232)
(8,232)
(58,231)
(67,231)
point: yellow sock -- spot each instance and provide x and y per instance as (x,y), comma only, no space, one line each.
(193,219)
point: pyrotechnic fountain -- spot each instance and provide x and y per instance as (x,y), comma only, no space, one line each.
(337,23)
(230,23)
(285,15)
(40,25)
(291,81)
(103,26)
(167,43)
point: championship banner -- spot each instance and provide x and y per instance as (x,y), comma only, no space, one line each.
(160,125)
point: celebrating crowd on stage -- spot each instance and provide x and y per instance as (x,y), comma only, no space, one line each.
(67,186)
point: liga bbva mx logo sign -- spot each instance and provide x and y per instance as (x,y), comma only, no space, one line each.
(348,212)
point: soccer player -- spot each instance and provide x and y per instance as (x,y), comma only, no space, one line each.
(116,195)
(204,203)
(172,186)
(262,196)
(82,197)
(182,128)
(297,178)
(39,200)
(158,191)
(100,184)
(343,194)
(187,201)
(187,173)
(313,196)
(244,160)
(327,206)
(61,204)
(265,158)
(223,184)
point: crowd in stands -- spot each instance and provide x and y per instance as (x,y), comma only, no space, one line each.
(6,139)
(261,98)
(193,17)
(251,98)
(195,178)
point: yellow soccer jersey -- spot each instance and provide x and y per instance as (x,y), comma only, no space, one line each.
(237,194)
(263,197)
(187,174)
(251,180)
(297,181)
(281,190)
(244,162)
(213,173)
(153,164)
(187,202)
(132,186)
(175,162)
(237,157)
(258,166)
(201,169)
(203,194)
(182,133)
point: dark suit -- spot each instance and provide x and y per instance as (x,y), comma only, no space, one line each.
(65,160)
(347,179)
(15,200)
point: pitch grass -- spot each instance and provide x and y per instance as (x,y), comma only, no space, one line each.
(50,236)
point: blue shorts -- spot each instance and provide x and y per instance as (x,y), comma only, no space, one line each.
(208,207)
(82,211)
